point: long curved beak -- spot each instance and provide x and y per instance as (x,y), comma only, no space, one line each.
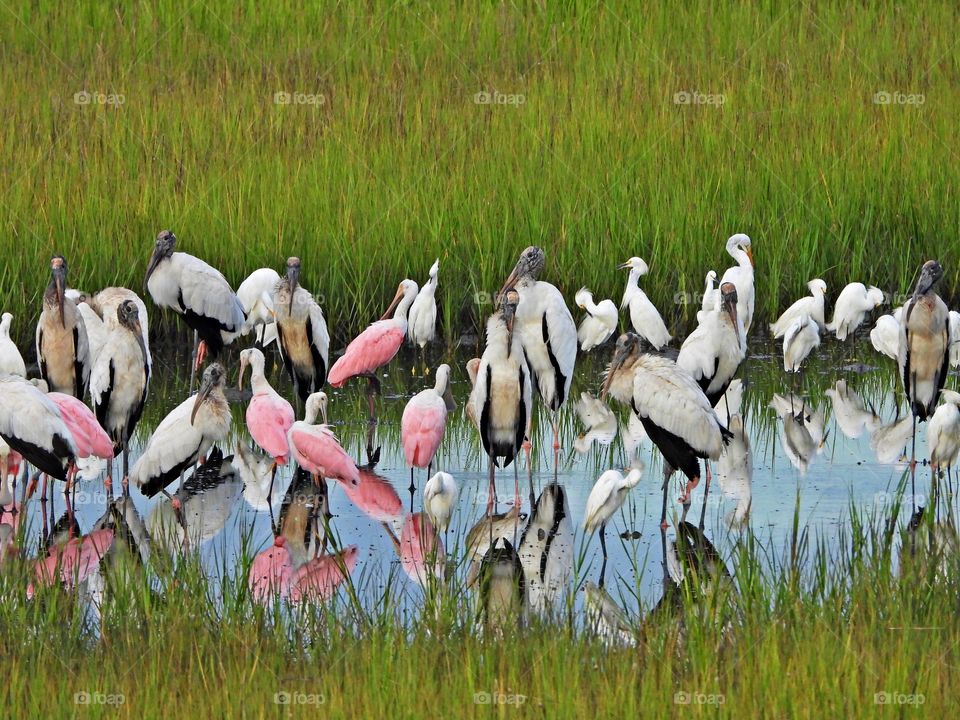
(624,266)
(731,307)
(323,412)
(448,399)
(393,304)
(293,279)
(615,365)
(509,321)
(243,369)
(151,266)
(59,282)
(749,252)
(205,389)
(510,282)
(138,332)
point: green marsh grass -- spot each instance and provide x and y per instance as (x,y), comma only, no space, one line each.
(385,160)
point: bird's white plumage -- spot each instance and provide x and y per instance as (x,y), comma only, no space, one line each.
(742,276)
(849,411)
(735,471)
(885,336)
(711,292)
(599,323)
(439,498)
(713,350)
(11,361)
(644,316)
(812,305)
(852,306)
(732,399)
(121,357)
(109,299)
(541,302)
(607,495)
(27,414)
(943,432)
(799,341)
(254,296)
(422,318)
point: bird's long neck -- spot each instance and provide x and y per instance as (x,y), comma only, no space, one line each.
(401,312)
(440,387)
(740,255)
(633,286)
(258,379)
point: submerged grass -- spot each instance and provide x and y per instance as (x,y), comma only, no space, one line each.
(384,159)
(842,626)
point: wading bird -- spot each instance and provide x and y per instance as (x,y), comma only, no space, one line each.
(674,411)
(269,416)
(503,590)
(190,287)
(885,336)
(119,382)
(711,293)
(852,306)
(644,317)
(31,424)
(943,434)
(422,325)
(11,361)
(424,422)
(62,350)
(606,497)
(255,294)
(502,395)
(301,332)
(599,323)
(713,352)
(546,331)
(799,341)
(316,449)
(439,498)
(375,346)
(742,276)
(92,322)
(812,305)
(184,435)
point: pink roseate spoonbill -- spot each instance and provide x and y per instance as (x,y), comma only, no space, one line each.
(739,247)
(673,409)
(375,497)
(420,549)
(62,350)
(184,435)
(31,424)
(72,562)
(811,305)
(255,295)
(301,332)
(319,577)
(375,346)
(270,572)
(547,332)
(502,395)
(424,422)
(315,448)
(644,316)
(191,288)
(119,381)
(269,416)
(11,361)
(422,325)
(924,350)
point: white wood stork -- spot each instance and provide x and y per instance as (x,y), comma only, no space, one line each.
(713,352)
(852,306)
(11,361)
(62,350)
(606,497)
(674,411)
(599,323)
(811,305)
(440,498)
(92,323)
(422,319)
(185,435)
(301,332)
(120,379)
(924,349)
(190,287)
(255,294)
(645,318)
(799,341)
(30,423)
(502,395)
(742,275)
(107,304)
(547,332)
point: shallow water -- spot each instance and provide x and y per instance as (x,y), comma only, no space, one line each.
(815,469)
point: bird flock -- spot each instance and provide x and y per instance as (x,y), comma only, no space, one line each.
(95,367)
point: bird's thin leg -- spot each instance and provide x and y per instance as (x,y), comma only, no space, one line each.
(526,450)
(66,500)
(913,466)
(667,472)
(108,481)
(706,493)
(556,443)
(125,483)
(726,402)
(43,489)
(193,358)
(603,546)
(423,359)
(412,489)
(516,483)
(492,488)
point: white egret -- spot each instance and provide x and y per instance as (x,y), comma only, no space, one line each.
(599,323)
(852,306)
(811,305)
(645,318)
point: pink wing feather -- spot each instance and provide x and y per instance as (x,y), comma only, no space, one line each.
(371,349)
(89,437)
(421,430)
(316,450)
(270,572)
(317,579)
(375,497)
(269,419)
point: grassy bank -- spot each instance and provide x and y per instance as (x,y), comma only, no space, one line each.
(384,156)
(834,631)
